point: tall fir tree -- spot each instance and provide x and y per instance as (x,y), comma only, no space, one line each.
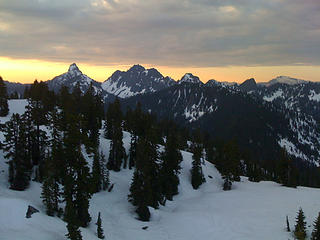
(170,167)
(77,177)
(145,189)
(229,164)
(105,176)
(117,152)
(16,148)
(316,229)
(74,232)
(97,178)
(100,234)
(4,108)
(197,177)
(300,227)
(287,172)
(50,187)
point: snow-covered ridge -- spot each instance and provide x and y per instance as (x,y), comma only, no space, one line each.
(73,77)
(136,80)
(283,79)
(189,78)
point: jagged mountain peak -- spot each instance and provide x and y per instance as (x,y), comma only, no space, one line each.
(137,80)
(189,78)
(73,68)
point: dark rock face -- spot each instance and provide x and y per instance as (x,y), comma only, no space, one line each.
(31,210)
(248,85)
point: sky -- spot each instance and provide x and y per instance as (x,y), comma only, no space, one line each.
(226,40)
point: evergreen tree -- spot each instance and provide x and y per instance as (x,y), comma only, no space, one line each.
(96,173)
(99,228)
(117,152)
(132,151)
(300,227)
(170,168)
(288,225)
(50,188)
(197,177)
(104,172)
(229,164)
(286,170)
(72,223)
(77,176)
(4,109)
(108,124)
(16,148)
(92,110)
(316,231)
(145,188)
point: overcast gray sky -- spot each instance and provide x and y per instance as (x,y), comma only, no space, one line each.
(175,33)
(178,33)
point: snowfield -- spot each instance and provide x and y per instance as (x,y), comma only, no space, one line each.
(250,211)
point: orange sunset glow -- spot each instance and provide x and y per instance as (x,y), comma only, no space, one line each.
(27,70)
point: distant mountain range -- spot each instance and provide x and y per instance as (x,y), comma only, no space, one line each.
(284,112)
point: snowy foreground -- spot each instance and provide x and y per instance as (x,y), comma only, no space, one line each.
(250,211)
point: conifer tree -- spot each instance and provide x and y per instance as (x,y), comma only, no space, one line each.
(300,227)
(104,172)
(96,180)
(229,164)
(4,109)
(16,148)
(117,152)
(108,124)
(132,151)
(74,232)
(286,170)
(316,231)
(77,177)
(170,168)
(92,110)
(50,188)
(99,228)
(145,188)
(197,177)
(288,225)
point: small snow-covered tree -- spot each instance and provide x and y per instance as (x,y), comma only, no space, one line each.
(99,227)
(300,228)
(316,231)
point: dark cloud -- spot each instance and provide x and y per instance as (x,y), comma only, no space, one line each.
(178,33)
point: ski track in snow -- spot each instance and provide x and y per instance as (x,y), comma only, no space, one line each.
(250,211)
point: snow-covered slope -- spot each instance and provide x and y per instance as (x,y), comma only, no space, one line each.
(283,79)
(250,211)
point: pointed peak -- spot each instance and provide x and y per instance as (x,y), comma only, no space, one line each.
(136,68)
(73,68)
(189,78)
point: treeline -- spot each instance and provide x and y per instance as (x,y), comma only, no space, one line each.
(47,144)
